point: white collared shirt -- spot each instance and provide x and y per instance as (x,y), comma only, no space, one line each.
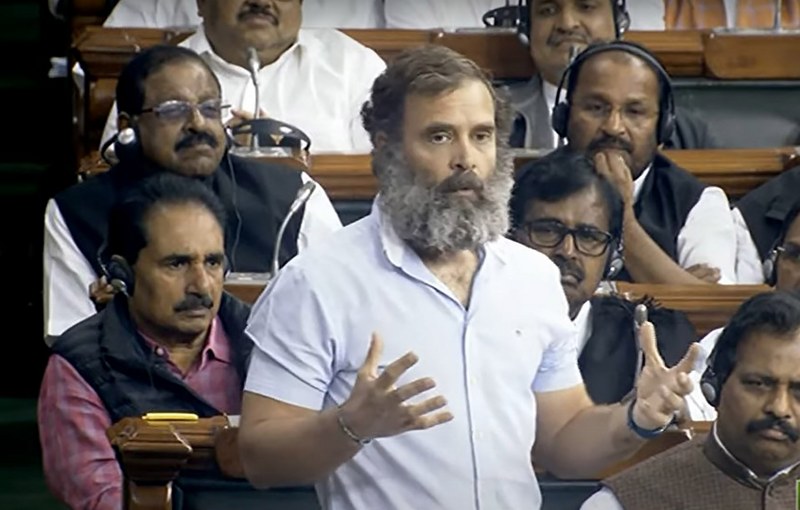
(318,85)
(583,325)
(749,266)
(312,328)
(68,274)
(708,235)
(183,13)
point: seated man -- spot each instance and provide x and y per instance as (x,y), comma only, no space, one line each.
(171,100)
(759,217)
(751,458)
(698,14)
(564,209)
(183,13)
(619,108)
(559,29)
(172,340)
(315,80)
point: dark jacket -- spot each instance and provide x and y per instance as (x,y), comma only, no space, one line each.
(111,356)
(256,196)
(608,360)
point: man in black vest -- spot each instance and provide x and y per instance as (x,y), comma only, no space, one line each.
(170,100)
(170,340)
(619,109)
(759,218)
(564,209)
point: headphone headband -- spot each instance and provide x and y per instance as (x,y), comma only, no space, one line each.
(666,114)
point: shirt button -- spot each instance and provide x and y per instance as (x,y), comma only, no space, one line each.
(160,351)
(473,380)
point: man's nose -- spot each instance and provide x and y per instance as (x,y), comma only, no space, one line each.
(613,123)
(567,245)
(198,279)
(567,20)
(463,156)
(779,403)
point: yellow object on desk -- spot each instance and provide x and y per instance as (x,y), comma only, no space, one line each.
(170,417)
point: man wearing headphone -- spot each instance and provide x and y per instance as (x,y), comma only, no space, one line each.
(170,340)
(751,458)
(563,208)
(171,109)
(556,31)
(617,106)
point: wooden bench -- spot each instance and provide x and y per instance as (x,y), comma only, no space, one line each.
(736,171)
(102,52)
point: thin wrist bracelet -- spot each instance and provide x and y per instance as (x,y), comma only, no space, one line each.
(348,431)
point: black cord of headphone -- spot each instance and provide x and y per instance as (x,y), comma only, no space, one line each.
(238,230)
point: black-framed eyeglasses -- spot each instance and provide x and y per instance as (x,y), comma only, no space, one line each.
(174,109)
(551,233)
(790,252)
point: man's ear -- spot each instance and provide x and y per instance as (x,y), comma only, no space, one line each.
(380,140)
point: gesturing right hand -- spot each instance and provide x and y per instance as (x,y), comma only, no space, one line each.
(376,408)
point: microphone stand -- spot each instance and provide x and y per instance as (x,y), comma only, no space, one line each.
(254,64)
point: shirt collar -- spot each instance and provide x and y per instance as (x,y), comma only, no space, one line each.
(721,457)
(216,345)
(638,184)
(583,324)
(549,90)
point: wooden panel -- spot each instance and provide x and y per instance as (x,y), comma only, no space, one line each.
(736,171)
(731,56)
(707,306)
(389,42)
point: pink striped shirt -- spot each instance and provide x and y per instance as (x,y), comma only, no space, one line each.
(80,467)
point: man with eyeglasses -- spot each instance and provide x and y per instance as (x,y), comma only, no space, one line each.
(564,209)
(171,101)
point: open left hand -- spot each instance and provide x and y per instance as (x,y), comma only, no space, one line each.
(660,391)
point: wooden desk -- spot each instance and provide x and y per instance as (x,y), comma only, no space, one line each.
(708,306)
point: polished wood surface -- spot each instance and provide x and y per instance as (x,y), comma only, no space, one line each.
(736,171)
(152,453)
(763,56)
(708,306)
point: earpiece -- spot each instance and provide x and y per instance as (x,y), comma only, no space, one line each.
(120,275)
(622,20)
(769,266)
(666,117)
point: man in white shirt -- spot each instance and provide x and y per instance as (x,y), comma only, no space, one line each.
(465,333)
(618,107)
(750,459)
(556,31)
(563,208)
(170,99)
(314,79)
(183,13)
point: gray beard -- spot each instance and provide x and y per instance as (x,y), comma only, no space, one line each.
(434,223)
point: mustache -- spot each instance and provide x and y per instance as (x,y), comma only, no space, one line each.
(773,422)
(196,138)
(609,142)
(568,267)
(194,302)
(559,36)
(466,180)
(257,8)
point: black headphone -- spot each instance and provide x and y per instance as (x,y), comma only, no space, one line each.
(116,269)
(770,265)
(622,20)
(666,114)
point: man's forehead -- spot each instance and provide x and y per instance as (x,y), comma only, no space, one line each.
(470,101)
(180,226)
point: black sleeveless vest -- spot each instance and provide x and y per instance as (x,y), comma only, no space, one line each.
(668,195)
(129,378)
(256,196)
(765,208)
(608,360)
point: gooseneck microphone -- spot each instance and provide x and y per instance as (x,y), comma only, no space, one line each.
(253,65)
(303,194)
(639,318)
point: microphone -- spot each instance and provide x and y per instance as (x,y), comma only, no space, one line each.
(303,194)
(573,52)
(639,318)
(253,65)
(239,278)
